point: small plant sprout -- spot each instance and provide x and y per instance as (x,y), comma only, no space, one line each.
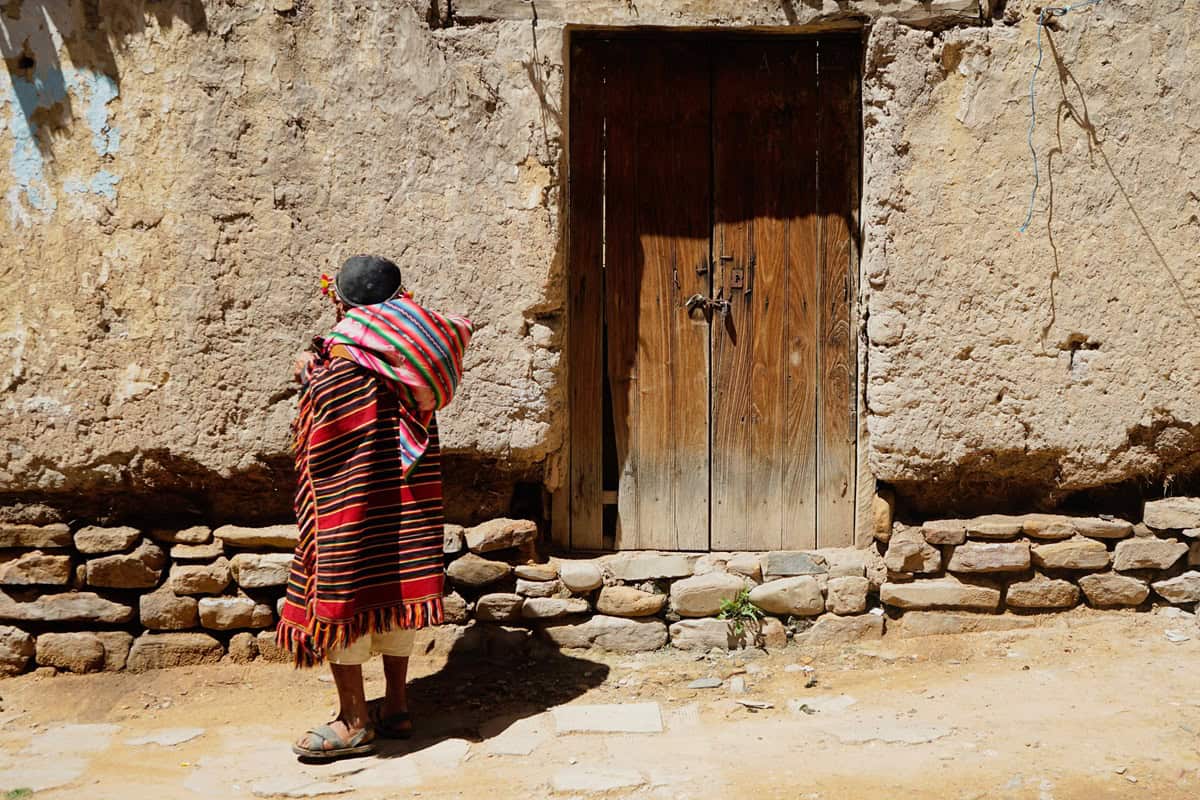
(739,612)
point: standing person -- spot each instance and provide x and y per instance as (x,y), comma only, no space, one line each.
(367,572)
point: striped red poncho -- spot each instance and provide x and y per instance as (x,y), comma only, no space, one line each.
(369,488)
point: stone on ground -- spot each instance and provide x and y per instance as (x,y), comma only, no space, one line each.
(1042,592)
(194,579)
(520,738)
(746,564)
(453,539)
(94,540)
(195,535)
(281,537)
(910,552)
(626,601)
(580,576)
(1148,554)
(116,649)
(847,562)
(941,623)
(1051,527)
(261,571)
(166,737)
(1098,528)
(702,595)
(553,607)
(474,571)
(74,652)
(198,552)
(608,718)
(35,569)
(537,572)
(500,534)
(939,531)
(16,650)
(990,557)
(1183,588)
(243,647)
(1078,553)
(994,526)
(799,596)
(55,536)
(1110,590)
(161,650)
(499,607)
(706,634)
(883,511)
(232,613)
(615,634)
(945,592)
(541,588)
(847,595)
(650,566)
(455,609)
(140,569)
(594,780)
(268,649)
(832,629)
(791,563)
(163,610)
(64,607)
(1172,513)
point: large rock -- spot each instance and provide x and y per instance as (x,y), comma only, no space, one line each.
(93,540)
(580,576)
(1148,554)
(16,650)
(554,588)
(1109,590)
(280,537)
(945,592)
(261,570)
(943,623)
(847,562)
(990,557)
(883,511)
(211,578)
(1050,527)
(161,650)
(537,572)
(74,652)
(940,531)
(635,567)
(116,649)
(197,534)
(499,607)
(702,595)
(1042,592)
(36,569)
(455,609)
(1074,554)
(746,564)
(994,526)
(1098,528)
(553,607)
(163,610)
(140,569)
(1183,588)
(232,613)
(709,633)
(65,607)
(500,534)
(243,647)
(799,596)
(198,552)
(453,539)
(617,634)
(45,537)
(269,650)
(473,571)
(847,595)
(790,563)
(910,552)
(626,601)
(1172,513)
(832,629)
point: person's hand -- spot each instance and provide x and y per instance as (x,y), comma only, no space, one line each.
(300,365)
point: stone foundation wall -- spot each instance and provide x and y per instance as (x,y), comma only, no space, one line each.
(119,598)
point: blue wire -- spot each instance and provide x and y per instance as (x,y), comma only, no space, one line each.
(1047,13)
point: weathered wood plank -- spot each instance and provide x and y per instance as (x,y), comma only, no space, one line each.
(586,277)
(837,424)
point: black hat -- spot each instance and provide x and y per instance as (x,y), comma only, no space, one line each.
(367,280)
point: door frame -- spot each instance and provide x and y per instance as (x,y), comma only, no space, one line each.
(576,526)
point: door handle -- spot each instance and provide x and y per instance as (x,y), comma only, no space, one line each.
(707,304)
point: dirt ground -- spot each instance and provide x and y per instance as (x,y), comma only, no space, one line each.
(1088,705)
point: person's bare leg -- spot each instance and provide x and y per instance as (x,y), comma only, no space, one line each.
(352,697)
(395,670)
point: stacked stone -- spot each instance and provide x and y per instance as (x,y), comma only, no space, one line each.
(111,598)
(1046,562)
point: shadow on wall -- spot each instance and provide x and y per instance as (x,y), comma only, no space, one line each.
(35,33)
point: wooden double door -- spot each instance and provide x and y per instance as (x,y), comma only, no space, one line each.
(713,184)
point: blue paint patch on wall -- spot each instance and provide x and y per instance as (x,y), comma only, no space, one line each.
(103,183)
(100,90)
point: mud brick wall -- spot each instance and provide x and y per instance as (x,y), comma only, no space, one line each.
(119,598)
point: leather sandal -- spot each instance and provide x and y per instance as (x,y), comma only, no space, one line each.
(360,744)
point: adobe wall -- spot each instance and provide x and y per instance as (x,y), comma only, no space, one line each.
(179,173)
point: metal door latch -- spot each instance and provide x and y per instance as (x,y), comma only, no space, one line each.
(707,304)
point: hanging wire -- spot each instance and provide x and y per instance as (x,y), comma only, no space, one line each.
(1047,13)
